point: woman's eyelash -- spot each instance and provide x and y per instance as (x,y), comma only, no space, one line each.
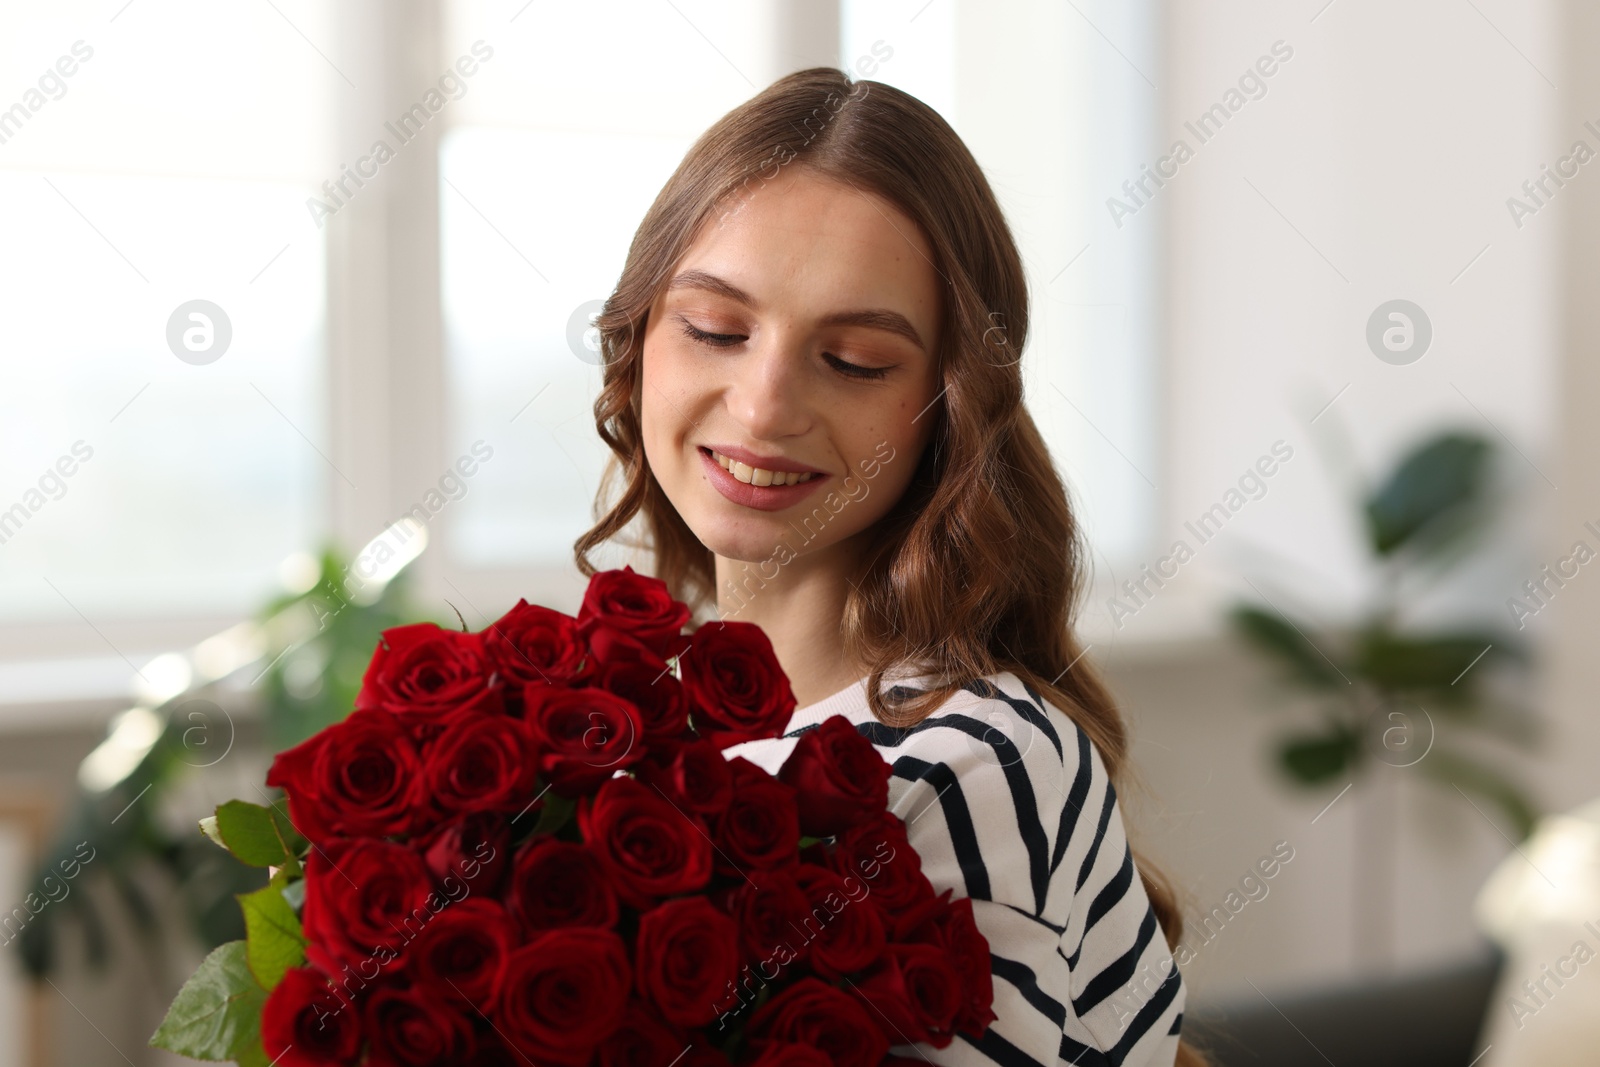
(727,340)
(716,340)
(854,370)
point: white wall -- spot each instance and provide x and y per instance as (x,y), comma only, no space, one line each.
(1387,146)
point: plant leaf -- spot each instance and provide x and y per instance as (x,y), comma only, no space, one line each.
(250,833)
(217,1013)
(274,940)
(259,836)
(208,826)
(1399,662)
(1310,760)
(1269,631)
(1469,775)
(554,811)
(1436,481)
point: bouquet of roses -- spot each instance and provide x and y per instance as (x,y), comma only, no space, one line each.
(526,846)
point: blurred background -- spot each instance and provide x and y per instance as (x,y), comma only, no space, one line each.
(294,344)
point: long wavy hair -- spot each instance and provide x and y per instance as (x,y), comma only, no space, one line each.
(980,566)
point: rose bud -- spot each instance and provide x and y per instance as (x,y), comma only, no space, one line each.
(686,955)
(560,883)
(772,913)
(663,706)
(916,992)
(421,671)
(822,1017)
(306,1024)
(839,779)
(354,779)
(643,1040)
(737,690)
(582,736)
(877,853)
(474,849)
(637,605)
(364,899)
(949,926)
(407,1026)
(461,954)
(564,993)
(479,762)
(760,829)
(849,935)
(647,847)
(530,643)
(697,778)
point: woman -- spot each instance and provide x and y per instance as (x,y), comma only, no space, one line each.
(813,393)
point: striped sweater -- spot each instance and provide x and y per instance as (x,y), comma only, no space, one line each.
(1007,802)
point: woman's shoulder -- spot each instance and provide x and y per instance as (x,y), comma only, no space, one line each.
(998,721)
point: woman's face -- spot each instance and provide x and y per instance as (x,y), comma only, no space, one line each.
(789,372)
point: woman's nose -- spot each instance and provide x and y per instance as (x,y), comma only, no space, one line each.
(769,395)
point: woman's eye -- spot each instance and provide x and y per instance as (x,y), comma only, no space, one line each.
(706,337)
(853,370)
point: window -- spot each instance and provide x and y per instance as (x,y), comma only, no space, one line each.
(379,330)
(150,158)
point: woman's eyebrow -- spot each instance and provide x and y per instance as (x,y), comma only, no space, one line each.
(872,318)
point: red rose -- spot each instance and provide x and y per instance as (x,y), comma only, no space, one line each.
(663,707)
(847,933)
(564,994)
(352,779)
(560,883)
(819,1016)
(364,898)
(949,926)
(772,914)
(635,605)
(583,736)
(786,1054)
(877,852)
(410,1028)
(305,1024)
(760,829)
(838,778)
(422,671)
(479,762)
(916,993)
(472,849)
(703,1056)
(686,956)
(648,847)
(697,778)
(643,1040)
(530,643)
(737,691)
(461,954)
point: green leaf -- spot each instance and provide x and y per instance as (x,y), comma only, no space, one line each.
(554,811)
(1470,776)
(208,826)
(261,837)
(249,833)
(274,939)
(1396,662)
(1315,759)
(1433,488)
(1272,633)
(217,1013)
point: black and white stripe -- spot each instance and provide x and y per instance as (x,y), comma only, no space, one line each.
(1007,802)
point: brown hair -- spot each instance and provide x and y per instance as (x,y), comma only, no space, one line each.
(984,533)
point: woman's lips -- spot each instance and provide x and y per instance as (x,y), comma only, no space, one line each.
(760,497)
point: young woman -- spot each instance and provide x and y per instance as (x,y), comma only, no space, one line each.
(813,393)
